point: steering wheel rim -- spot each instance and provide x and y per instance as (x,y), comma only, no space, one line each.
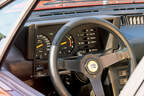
(65,29)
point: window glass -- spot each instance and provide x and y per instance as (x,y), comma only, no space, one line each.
(11,17)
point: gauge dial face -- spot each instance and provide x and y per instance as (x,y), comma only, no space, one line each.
(42,47)
(67,45)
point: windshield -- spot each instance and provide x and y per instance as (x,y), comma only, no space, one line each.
(11,17)
(52,4)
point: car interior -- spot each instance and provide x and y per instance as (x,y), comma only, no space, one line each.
(54,50)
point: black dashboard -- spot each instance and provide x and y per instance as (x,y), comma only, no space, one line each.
(84,39)
(87,38)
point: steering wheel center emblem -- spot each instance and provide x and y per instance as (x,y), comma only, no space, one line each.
(92,66)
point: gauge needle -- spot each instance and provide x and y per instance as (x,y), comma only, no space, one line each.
(40,45)
(70,44)
(63,43)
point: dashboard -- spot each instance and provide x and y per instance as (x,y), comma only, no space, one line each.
(84,39)
(87,38)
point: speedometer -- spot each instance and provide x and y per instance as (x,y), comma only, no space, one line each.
(42,47)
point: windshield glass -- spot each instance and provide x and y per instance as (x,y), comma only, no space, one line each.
(11,17)
(52,4)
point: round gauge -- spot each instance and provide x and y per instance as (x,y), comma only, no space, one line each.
(42,47)
(67,45)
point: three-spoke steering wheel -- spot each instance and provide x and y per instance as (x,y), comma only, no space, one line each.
(90,65)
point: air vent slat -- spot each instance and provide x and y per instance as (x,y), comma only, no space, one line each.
(67,12)
(133,19)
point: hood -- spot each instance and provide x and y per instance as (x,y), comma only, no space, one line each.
(54,4)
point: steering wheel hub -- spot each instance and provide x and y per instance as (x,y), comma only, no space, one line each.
(92,66)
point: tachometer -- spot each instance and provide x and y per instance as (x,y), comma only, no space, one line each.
(42,47)
(67,45)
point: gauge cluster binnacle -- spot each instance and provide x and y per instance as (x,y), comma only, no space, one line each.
(83,39)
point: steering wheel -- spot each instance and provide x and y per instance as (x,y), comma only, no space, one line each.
(91,65)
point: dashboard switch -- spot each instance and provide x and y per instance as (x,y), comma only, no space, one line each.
(123,81)
(123,73)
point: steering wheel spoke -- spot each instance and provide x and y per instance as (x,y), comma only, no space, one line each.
(69,64)
(112,58)
(97,86)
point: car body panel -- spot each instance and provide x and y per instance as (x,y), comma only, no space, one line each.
(4,2)
(55,4)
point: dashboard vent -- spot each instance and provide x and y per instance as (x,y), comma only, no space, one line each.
(133,20)
(67,12)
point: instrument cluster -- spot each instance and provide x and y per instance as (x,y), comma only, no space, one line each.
(82,40)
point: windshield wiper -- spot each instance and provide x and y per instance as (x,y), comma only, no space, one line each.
(4,2)
(1,36)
